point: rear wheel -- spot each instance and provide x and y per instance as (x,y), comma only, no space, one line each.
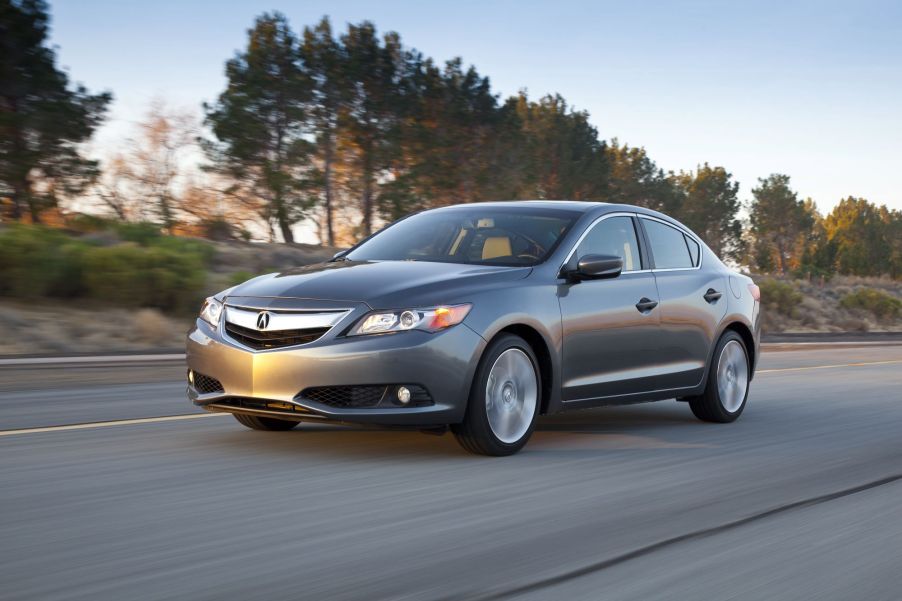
(255,422)
(504,400)
(727,389)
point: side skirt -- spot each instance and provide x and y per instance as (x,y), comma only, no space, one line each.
(631,399)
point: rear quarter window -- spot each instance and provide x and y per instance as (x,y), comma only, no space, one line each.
(694,250)
(669,246)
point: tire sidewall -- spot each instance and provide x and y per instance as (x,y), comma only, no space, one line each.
(712,382)
(476,408)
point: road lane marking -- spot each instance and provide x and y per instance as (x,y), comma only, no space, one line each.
(26,361)
(863,364)
(118,422)
(172,418)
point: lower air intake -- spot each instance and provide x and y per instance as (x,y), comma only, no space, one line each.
(363,397)
(206,385)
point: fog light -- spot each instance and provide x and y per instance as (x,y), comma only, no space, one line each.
(403,395)
(191,376)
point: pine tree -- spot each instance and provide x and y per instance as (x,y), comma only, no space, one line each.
(324,62)
(710,208)
(370,116)
(43,118)
(260,122)
(633,178)
(779,222)
(566,159)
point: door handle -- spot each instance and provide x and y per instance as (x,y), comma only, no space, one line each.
(712,295)
(646,304)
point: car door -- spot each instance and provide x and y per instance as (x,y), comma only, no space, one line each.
(692,302)
(609,325)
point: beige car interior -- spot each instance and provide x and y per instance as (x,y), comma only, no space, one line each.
(496,246)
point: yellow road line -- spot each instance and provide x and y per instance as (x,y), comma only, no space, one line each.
(118,422)
(772,371)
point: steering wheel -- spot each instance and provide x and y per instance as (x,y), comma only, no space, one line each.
(531,253)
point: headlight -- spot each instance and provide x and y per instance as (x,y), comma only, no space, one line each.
(210,311)
(430,320)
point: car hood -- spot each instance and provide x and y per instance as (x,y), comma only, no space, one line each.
(381,284)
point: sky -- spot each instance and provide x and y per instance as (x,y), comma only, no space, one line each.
(809,89)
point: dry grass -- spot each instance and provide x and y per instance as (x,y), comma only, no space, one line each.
(60,329)
(820,307)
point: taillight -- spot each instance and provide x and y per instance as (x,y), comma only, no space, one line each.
(756,292)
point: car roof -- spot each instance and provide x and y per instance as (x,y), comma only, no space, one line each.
(582,206)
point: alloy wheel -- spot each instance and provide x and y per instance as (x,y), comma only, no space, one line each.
(511,395)
(732,376)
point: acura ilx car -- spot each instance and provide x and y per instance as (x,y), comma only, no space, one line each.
(480,318)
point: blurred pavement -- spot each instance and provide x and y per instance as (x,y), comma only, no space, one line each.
(637,502)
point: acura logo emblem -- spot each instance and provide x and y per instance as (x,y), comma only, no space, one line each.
(263,320)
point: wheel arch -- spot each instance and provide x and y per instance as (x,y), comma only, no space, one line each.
(745,332)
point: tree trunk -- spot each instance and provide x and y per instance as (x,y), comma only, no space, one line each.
(34,209)
(367,197)
(166,213)
(782,255)
(20,191)
(286,231)
(327,159)
(282,220)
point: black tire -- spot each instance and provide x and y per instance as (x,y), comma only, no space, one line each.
(709,406)
(270,424)
(475,434)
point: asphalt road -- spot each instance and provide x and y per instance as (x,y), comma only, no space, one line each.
(800,499)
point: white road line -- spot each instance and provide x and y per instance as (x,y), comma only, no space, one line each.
(25,361)
(888,342)
(782,369)
(118,422)
(173,418)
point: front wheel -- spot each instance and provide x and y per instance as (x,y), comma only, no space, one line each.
(504,400)
(255,422)
(727,389)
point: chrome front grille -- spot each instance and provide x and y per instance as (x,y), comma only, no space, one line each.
(258,340)
(261,329)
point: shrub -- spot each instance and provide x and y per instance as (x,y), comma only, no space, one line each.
(218,229)
(202,251)
(85,224)
(133,276)
(151,270)
(781,297)
(143,233)
(877,302)
(39,262)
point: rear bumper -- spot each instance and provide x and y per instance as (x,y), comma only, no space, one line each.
(442,363)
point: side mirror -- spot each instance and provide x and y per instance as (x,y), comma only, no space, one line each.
(597,267)
(340,254)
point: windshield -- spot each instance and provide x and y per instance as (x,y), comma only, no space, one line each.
(477,236)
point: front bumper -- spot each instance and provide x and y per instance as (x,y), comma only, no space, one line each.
(443,363)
